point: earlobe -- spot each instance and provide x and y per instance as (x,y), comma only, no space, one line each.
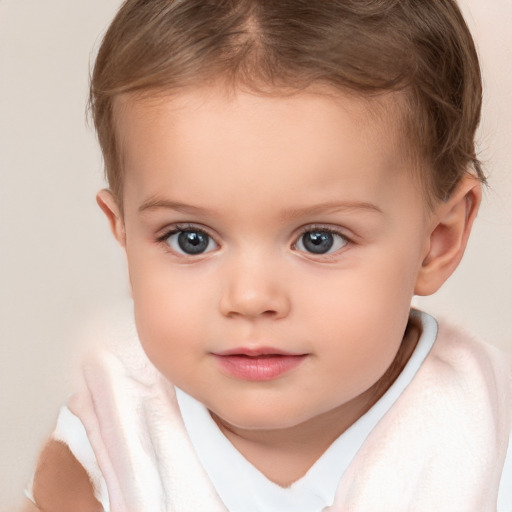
(449,232)
(110,207)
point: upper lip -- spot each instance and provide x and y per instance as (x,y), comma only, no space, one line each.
(256,351)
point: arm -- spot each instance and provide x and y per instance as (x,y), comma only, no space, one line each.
(61,483)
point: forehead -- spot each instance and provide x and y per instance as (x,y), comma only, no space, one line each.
(223,142)
(374,113)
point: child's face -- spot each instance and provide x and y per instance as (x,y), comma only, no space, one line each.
(263,226)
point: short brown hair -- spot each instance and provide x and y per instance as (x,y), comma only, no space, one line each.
(369,47)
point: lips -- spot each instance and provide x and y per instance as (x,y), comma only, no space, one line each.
(257,364)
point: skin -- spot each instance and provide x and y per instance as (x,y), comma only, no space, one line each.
(255,173)
(61,484)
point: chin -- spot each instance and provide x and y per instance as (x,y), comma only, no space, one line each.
(259,419)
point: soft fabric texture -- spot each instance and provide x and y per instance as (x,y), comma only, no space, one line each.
(440,447)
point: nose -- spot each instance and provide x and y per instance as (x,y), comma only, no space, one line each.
(252,289)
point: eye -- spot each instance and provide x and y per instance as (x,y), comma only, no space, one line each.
(320,241)
(190,241)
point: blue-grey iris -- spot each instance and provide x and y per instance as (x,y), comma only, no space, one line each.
(318,242)
(193,242)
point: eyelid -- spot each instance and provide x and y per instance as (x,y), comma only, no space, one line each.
(324,227)
(171,229)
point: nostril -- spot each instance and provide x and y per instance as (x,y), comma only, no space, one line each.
(248,305)
(267,313)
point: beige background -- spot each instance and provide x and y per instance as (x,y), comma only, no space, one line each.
(58,266)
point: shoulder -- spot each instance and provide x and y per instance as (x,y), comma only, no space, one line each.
(61,483)
(457,349)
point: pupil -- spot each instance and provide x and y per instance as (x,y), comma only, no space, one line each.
(192,242)
(318,242)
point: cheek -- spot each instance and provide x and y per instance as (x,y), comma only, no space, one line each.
(360,315)
(170,332)
(170,306)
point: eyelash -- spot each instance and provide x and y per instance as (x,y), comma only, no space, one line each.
(325,229)
(177,228)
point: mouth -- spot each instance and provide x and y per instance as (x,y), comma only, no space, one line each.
(257,364)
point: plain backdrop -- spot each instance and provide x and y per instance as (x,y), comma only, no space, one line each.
(58,265)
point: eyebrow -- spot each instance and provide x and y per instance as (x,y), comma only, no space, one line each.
(330,207)
(156,203)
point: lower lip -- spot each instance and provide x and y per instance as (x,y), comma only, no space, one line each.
(265,367)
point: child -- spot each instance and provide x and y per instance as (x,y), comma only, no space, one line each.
(283,178)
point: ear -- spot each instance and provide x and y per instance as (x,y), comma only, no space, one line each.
(108,204)
(449,232)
